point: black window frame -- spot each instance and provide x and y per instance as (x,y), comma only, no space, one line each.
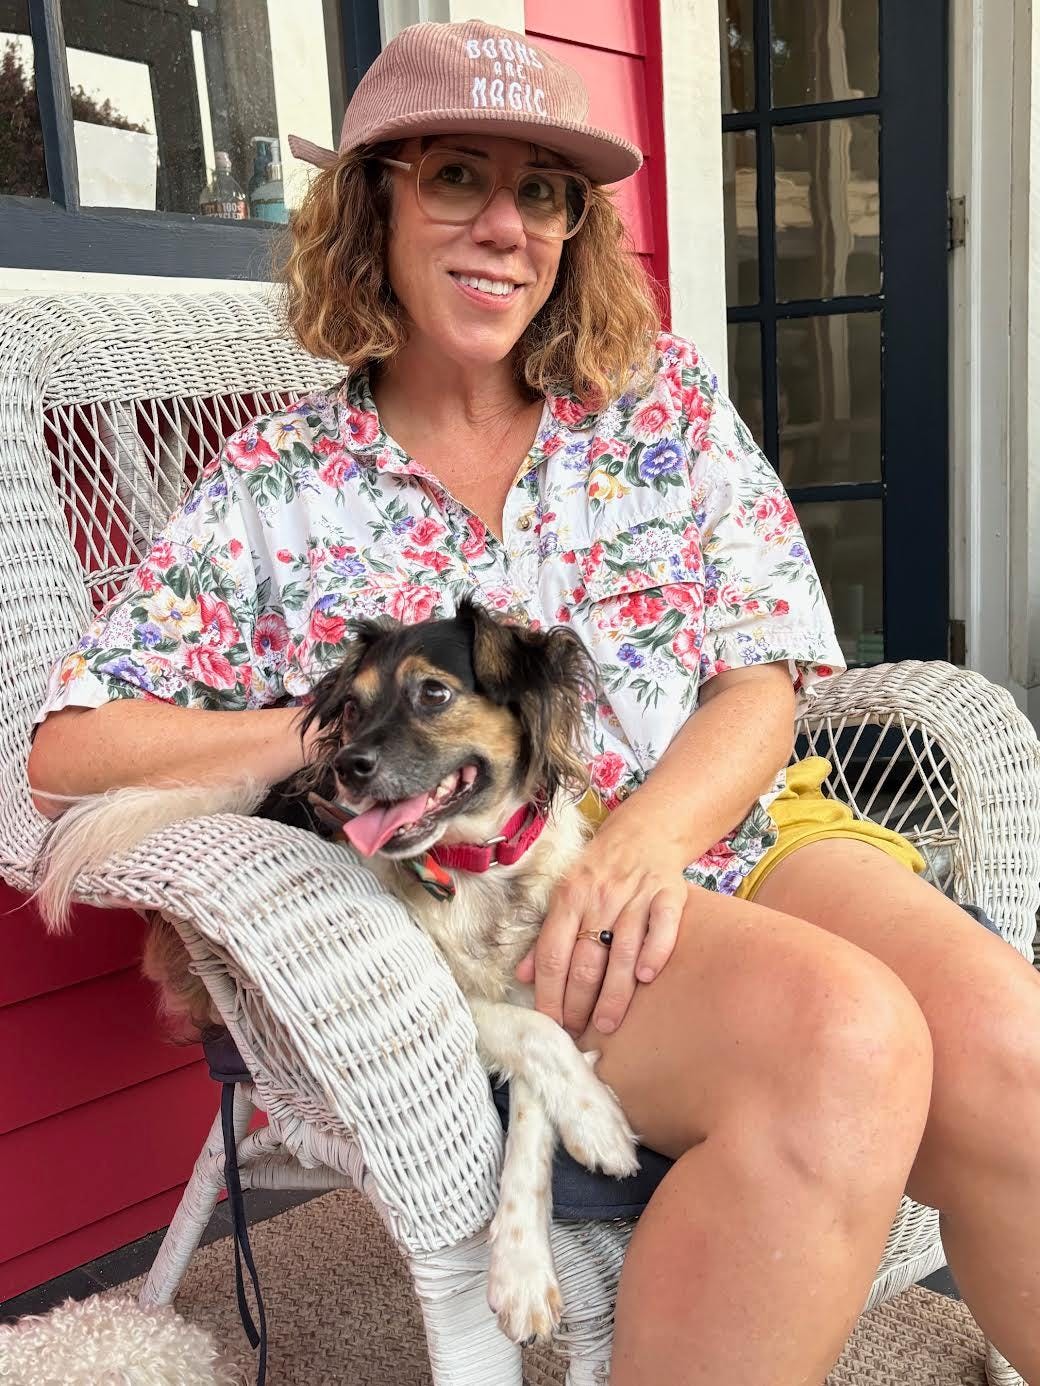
(913,301)
(57,233)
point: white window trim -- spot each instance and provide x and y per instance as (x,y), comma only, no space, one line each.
(395,15)
(692,92)
(995,342)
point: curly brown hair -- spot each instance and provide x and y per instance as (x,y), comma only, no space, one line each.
(592,337)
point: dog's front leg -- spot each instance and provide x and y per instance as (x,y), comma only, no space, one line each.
(522,1288)
(520,1043)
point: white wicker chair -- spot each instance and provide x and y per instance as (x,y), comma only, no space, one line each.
(360,1046)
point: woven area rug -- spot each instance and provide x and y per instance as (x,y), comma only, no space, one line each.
(340,1309)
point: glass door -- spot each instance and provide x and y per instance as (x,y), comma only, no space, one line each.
(834,139)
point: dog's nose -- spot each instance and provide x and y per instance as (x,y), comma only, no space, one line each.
(357,764)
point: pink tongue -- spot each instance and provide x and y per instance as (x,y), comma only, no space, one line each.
(377,825)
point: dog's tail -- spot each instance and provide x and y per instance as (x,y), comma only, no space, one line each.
(100,826)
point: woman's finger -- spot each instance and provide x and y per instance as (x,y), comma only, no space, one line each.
(619,983)
(663,920)
(555,948)
(588,966)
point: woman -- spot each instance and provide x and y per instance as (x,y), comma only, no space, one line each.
(509,426)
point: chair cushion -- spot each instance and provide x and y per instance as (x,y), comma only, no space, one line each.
(577,1192)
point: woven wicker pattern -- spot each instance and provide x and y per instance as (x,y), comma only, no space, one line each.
(360,1045)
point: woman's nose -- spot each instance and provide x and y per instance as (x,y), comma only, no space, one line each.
(500,222)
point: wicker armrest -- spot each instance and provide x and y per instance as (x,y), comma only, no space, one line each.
(968,774)
(347,1015)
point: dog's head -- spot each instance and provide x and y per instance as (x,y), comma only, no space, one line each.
(443,728)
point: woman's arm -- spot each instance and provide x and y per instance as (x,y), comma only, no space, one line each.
(131,742)
(629,878)
(723,760)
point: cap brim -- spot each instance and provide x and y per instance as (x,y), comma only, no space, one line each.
(600,155)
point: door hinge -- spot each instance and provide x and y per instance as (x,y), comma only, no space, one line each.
(957,643)
(956,222)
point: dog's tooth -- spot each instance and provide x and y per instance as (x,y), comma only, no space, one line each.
(469,774)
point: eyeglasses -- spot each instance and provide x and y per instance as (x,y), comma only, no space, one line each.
(454,188)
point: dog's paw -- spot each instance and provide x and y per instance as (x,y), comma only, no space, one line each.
(523,1292)
(594,1131)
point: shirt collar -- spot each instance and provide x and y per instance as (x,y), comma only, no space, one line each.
(364,434)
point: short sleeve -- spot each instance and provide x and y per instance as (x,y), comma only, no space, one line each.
(189,626)
(763,601)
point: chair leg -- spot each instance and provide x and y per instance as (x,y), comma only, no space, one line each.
(588,1371)
(195,1209)
(465,1343)
(999,1371)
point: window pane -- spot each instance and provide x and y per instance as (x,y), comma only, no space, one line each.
(824,50)
(830,399)
(844,538)
(187,108)
(827,209)
(736,18)
(740,203)
(745,375)
(23,172)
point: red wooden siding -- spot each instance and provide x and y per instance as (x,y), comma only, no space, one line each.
(616,48)
(100,1118)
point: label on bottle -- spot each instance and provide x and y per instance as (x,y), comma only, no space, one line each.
(233,209)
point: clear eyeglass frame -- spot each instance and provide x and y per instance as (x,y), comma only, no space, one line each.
(414,168)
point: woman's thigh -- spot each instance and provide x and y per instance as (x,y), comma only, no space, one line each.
(979,997)
(759,1012)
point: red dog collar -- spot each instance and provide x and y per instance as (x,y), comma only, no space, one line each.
(518,835)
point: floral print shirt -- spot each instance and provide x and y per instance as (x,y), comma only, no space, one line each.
(654,527)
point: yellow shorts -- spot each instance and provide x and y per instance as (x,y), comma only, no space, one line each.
(804,814)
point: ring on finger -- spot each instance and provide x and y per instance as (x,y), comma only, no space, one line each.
(603,936)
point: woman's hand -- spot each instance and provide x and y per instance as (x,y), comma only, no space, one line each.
(629,881)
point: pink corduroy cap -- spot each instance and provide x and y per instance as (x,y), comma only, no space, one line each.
(472,78)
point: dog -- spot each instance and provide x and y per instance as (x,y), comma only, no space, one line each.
(448,754)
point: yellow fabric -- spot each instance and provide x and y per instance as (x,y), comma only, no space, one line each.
(804,814)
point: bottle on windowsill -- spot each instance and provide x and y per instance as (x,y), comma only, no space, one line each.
(266,192)
(222,197)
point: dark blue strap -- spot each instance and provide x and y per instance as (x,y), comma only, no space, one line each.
(242,1247)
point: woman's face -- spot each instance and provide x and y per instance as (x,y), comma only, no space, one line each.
(428,261)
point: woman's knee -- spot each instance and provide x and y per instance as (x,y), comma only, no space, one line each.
(832,1066)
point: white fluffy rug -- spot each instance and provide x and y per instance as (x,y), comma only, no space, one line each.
(111,1342)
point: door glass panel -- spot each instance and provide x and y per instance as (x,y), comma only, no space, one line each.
(740,205)
(830,399)
(745,375)
(187,107)
(736,18)
(23,172)
(827,209)
(844,538)
(824,50)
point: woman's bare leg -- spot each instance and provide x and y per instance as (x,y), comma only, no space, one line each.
(978,1160)
(789,1073)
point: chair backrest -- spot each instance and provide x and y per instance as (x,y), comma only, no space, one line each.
(109,406)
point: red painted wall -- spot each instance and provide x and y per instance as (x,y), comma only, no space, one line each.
(100,1118)
(616,46)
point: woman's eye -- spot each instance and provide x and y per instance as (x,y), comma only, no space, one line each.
(457,175)
(538,190)
(433,694)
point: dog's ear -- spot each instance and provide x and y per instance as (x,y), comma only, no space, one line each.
(332,688)
(545,678)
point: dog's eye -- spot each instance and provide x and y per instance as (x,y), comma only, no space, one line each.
(433,694)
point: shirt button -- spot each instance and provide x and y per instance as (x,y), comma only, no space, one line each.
(622,793)
(525,522)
